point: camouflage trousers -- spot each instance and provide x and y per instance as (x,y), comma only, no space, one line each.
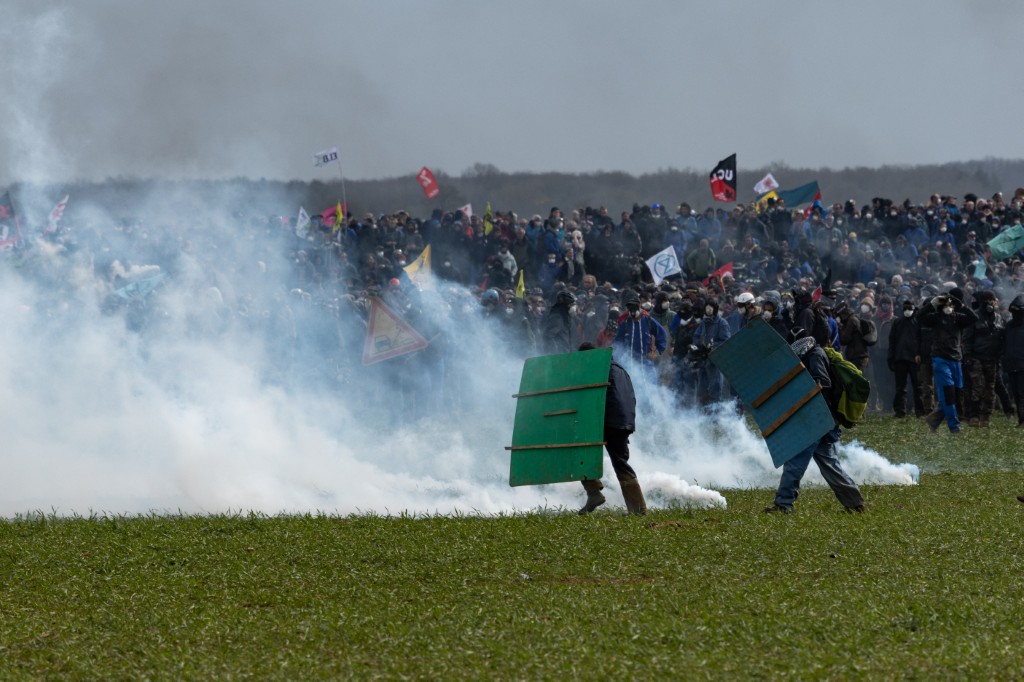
(981,381)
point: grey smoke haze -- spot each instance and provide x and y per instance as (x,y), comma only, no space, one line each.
(190,89)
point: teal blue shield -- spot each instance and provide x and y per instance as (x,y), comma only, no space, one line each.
(776,388)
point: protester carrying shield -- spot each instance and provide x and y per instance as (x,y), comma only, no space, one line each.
(822,451)
(619,423)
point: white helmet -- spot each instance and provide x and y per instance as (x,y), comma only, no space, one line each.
(746,298)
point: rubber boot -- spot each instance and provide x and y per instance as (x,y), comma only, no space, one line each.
(633,496)
(594,496)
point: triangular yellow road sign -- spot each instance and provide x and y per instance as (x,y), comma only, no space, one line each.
(388,335)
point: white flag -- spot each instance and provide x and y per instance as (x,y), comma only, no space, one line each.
(56,214)
(766,185)
(302,223)
(664,264)
(325,157)
(467,210)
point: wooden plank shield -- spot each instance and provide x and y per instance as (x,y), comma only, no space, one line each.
(559,426)
(776,388)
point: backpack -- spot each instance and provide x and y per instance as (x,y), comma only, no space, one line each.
(848,396)
(869,331)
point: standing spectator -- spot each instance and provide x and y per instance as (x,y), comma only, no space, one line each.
(702,260)
(852,337)
(712,331)
(639,337)
(947,317)
(983,345)
(881,377)
(903,359)
(559,332)
(1013,355)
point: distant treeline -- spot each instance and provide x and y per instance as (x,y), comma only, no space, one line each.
(528,193)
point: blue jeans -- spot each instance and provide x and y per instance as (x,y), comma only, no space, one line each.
(824,454)
(949,377)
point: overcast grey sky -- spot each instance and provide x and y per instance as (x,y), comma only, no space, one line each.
(228,88)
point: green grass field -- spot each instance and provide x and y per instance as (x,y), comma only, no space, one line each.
(927,584)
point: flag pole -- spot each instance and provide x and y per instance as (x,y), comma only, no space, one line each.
(344,200)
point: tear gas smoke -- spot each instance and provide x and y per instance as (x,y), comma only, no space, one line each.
(219,391)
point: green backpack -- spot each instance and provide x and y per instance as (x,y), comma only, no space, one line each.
(848,396)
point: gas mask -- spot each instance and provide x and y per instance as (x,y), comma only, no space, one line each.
(908,312)
(766,315)
(865,309)
(948,310)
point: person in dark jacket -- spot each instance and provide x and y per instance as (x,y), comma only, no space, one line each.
(681,328)
(903,360)
(822,451)
(639,337)
(619,423)
(947,317)
(711,332)
(983,344)
(773,313)
(1013,355)
(851,336)
(559,331)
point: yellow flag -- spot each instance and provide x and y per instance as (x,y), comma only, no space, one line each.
(762,201)
(521,287)
(339,217)
(419,271)
(488,219)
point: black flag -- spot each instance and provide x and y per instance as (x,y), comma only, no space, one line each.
(723,180)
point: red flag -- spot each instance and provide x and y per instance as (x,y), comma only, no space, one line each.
(723,179)
(720,273)
(816,294)
(428,183)
(330,216)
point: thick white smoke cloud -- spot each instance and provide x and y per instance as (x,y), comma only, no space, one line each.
(197,411)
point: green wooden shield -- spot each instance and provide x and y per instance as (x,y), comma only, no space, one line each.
(559,427)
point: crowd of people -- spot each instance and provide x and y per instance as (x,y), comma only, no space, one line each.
(909,292)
